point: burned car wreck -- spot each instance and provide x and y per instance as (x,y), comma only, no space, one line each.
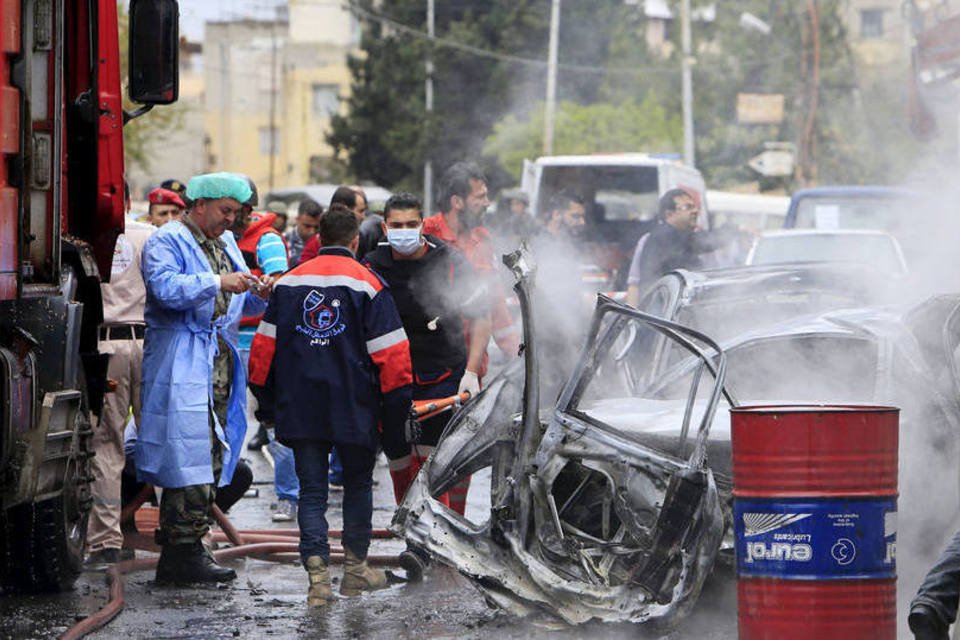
(615,503)
(586,521)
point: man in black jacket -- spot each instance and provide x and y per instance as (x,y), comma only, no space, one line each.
(672,244)
(436,292)
(934,608)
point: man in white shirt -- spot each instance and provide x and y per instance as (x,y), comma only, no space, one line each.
(121,336)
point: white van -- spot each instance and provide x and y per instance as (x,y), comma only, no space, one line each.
(621,192)
(750,211)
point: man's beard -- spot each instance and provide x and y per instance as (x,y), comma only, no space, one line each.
(470,220)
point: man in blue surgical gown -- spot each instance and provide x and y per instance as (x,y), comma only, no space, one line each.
(194,387)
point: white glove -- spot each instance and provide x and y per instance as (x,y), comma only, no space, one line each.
(470,383)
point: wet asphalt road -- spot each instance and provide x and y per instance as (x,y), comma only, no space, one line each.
(269,599)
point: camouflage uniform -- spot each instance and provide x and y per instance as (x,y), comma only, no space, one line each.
(185,511)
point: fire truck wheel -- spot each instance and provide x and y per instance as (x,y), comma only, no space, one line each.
(46,553)
(45,540)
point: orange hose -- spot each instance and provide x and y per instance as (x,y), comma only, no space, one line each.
(227,526)
(423,409)
(287,532)
(286,551)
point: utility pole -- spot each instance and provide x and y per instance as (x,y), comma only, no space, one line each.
(226,112)
(688,134)
(550,108)
(428,103)
(806,168)
(273,102)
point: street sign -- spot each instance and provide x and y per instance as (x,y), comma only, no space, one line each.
(760,108)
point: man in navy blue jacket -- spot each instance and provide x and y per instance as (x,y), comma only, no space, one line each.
(330,361)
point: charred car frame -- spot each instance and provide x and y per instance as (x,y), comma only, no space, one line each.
(586,521)
(604,506)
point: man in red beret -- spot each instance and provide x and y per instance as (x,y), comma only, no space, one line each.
(165,205)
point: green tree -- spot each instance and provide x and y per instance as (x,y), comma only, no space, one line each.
(601,127)
(484,69)
(853,143)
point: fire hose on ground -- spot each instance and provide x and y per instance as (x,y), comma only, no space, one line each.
(273,545)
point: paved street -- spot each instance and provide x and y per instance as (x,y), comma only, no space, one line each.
(268,599)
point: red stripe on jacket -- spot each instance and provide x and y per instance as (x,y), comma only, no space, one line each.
(261,357)
(396,368)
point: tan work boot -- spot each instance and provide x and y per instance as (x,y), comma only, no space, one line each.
(357,576)
(320,592)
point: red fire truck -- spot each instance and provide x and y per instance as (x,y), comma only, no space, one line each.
(61,210)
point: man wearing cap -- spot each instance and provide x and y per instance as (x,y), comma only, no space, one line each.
(193,415)
(165,205)
(279,210)
(174,185)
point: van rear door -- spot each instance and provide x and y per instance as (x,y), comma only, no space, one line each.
(530,183)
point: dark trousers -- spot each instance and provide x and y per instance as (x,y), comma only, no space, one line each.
(311,459)
(940,590)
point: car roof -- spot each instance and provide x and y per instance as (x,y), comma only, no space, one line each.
(880,191)
(609,159)
(780,233)
(322,193)
(743,282)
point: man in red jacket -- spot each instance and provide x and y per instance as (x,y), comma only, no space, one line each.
(464,201)
(332,334)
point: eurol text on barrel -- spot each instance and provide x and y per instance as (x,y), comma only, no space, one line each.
(815,521)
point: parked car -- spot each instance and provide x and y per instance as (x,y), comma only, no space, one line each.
(749,211)
(850,207)
(876,249)
(614,503)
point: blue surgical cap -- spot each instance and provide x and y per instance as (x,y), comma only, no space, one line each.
(219,185)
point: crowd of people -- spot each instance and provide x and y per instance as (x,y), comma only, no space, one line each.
(362,313)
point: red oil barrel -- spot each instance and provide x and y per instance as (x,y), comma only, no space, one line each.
(815,521)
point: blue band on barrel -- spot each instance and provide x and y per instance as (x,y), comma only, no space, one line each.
(808,539)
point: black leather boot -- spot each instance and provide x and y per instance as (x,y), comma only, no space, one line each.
(185,563)
(259,439)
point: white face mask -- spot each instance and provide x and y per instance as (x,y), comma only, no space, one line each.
(404,241)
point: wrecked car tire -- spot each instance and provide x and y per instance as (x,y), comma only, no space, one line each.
(415,564)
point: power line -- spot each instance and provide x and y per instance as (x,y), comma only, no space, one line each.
(540,63)
(495,55)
